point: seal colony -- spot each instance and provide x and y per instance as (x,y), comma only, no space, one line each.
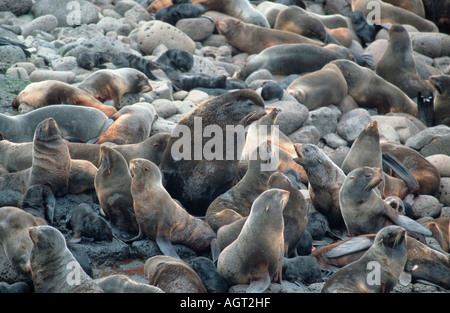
(105,166)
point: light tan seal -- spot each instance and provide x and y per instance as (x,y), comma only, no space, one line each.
(398,67)
(53,267)
(253,39)
(119,283)
(395,15)
(48,92)
(132,124)
(172,275)
(161,218)
(112,185)
(388,255)
(369,90)
(112,84)
(442,99)
(320,88)
(256,256)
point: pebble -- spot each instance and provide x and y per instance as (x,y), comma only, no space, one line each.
(197,29)
(441,162)
(425,206)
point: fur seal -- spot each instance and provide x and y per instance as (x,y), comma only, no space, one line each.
(325,182)
(253,39)
(213,281)
(161,218)
(172,14)
(90,59)
(132,124)
(394,15)
(440,229)
(388,250)
(414,6)
(48,92)
(237,262)
(320,88)
(49,260)
(442,99)
(369,90)
(362,208)
(112,185)
(284,60)
(118,283)
(84,124)
(398,67)
(112,84)
(195,181)
(84,221)
(428,270)
(40,202)
(172,275)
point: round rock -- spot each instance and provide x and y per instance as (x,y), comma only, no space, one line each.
(68,12)
(16,7)
(46,23)
(292,116)
(426,206)
(198,29)
(441,162)
(444,191)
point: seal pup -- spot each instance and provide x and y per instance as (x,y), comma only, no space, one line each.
(118,283)
(191,178)
(442,99)
(172,275)
(112,185)
(389,253)
(238,262)
(428,271)
(49,259)
(325,182)
(112,84)
(48,92)
(398,67)
(364,211)
(161,218)
(132,124)
(84,221)
(213,281)
(81,123)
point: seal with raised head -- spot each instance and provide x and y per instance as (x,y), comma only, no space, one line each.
(256,256)
(369,90)
(112,185)
(325,181)
(442,99)
(48,92)
(398,67)
(161,218)
(49,261)
(253,39)
(81,123)
(172,275)
(364,211)
(389,255)
(188,176)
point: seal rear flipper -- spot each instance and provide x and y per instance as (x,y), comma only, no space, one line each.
(76,237)
(259,285)
(406,222)
(215,250)
(353,245)
(139,236)
(405,174)
(166,247)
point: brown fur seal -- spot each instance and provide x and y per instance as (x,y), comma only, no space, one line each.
(16,243)
(194,180)
(284,60)
(320,88)
(369,90)
(119,283)
(362,208)
(256,256)
(172,275)
(394,15)
(132,124)
(325,181)
(440,229)
(236,203)
(253,39)
(161,218)
(388,255)
(112,185)
(84,221)
(442,99)
(109,84)
(53,267)
(81,123)
(39,94)
(398,67)
(40,202)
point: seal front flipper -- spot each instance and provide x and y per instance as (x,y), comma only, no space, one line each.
(166,247)
(351,246)
(259,285)
(406,222)
(398,167)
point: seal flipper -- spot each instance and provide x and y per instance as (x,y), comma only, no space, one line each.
(215,250)
(425,107)
(403,172)
(353,245)
(259,285)
(406,222)
(166,247)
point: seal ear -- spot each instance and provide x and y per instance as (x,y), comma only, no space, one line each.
(352,177)
(267,208)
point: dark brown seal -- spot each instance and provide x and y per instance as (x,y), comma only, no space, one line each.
(442,99)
